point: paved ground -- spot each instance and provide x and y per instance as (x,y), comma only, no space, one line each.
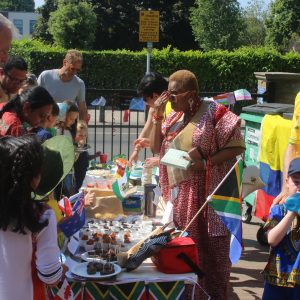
(246,280)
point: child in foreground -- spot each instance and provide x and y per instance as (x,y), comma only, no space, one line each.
(29,255)
(282,273)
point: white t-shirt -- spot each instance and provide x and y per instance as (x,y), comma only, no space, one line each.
(16,255)
(73,90)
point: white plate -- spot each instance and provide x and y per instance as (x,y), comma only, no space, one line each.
(80,270)
(86,257)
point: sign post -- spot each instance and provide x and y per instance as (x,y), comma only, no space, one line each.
(149,31)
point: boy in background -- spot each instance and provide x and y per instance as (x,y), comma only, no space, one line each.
(282,273)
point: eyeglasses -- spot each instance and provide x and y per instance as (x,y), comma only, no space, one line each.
(16,80)
(174,96)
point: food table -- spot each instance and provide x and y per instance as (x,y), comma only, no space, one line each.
(145,282)
(137,284)
(140,283)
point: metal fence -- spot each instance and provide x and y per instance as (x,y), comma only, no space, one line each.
(113,128)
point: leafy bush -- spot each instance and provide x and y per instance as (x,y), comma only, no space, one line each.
(217,70)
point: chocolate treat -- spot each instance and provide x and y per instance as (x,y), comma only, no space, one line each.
(99,251)
(113,236)
(106,239)
(99,266)
(90,242)
(108,269)
(91,269)
(84,237)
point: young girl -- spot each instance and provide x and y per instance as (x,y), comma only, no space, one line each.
(25,224)
(282,273)
(66,125)
(28,109)
(67,119)
(82,162)
(47,129)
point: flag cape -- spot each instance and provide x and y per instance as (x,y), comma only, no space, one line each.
(74,223)
(275,133)
(226,202)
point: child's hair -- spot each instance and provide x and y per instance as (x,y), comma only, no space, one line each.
(31,79)
(20,161)
(71,107)
(55,110)
(37,97)
(152,82)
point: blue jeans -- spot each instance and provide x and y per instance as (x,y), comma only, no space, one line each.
(274,292)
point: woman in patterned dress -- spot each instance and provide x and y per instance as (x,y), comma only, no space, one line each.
(211,134)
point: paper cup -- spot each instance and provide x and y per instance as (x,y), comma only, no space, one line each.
(103,158)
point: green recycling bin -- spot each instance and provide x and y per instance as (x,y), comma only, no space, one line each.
(253,115)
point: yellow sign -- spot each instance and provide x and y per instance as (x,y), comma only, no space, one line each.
(149,26)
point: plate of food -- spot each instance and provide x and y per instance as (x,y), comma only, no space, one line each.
(99,255)
(96,270)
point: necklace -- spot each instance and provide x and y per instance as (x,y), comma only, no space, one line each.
(187,118)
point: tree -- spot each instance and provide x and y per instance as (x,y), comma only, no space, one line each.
(217,24)
(41,30)
(118,23)
(73,26)
(17,5)
(255,15)
(175,27)
(283,24)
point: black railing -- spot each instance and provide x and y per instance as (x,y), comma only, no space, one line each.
(113,129)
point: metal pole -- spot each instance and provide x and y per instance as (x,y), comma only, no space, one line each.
(149,50)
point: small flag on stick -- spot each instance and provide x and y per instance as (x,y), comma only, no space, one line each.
(226,202)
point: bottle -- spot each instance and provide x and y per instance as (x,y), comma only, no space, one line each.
(147,175)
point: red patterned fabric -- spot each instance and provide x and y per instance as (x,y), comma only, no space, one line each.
(211,137)
(10,124)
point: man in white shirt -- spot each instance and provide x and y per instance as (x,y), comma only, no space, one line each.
(63,84)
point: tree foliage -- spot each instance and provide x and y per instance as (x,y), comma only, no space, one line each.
(118,23)
(41,31)
(17,5)
(255,14)
(283,24)
(217,24)
(73,26)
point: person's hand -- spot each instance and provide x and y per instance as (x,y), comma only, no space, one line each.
(98,153)
(152,162)
(133,157)
(282,196)
(194,154)
(90,199)
(142,142)
(160,104)
(197,162)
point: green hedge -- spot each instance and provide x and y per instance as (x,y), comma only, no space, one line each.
(122,69)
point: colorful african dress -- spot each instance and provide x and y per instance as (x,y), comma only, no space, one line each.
(211,129)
